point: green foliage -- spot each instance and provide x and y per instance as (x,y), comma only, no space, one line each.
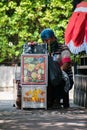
(23,20)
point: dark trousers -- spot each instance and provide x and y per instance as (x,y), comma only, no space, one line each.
(57,92)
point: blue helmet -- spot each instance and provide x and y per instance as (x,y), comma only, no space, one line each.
(47,33)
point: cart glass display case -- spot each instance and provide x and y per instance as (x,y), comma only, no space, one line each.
(34,69)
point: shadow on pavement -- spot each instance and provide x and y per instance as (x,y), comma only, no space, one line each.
(73,118)
(11,118)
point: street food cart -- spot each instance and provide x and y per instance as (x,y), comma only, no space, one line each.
(34,80)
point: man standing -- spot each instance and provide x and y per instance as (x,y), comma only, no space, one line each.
(63,57)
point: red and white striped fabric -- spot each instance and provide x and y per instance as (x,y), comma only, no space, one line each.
(76,30)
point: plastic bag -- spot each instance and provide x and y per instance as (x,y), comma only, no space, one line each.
(67,81)
(54,72)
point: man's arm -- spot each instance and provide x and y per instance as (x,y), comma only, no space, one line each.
(66,60)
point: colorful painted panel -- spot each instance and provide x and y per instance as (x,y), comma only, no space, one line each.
(34,97)
(34,69)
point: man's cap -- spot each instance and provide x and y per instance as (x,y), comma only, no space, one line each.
(47,33)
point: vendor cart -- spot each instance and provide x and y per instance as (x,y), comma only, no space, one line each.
(34,80)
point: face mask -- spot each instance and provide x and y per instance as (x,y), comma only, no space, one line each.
(54,46)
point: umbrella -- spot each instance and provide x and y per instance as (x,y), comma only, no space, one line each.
(76,30)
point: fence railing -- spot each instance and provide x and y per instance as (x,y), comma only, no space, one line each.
(80,90)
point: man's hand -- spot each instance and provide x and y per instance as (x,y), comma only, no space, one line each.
(65,66)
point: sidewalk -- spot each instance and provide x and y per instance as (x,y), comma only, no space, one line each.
(74,118)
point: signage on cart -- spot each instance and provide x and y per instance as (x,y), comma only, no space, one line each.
(34,97)
(34,69)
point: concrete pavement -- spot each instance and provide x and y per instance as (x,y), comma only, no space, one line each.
(74,118)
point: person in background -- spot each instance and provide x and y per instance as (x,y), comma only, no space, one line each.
(64,60)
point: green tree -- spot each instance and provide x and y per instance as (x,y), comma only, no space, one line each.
(23,20)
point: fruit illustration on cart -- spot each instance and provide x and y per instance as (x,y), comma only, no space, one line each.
(35,95)
(34,70)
